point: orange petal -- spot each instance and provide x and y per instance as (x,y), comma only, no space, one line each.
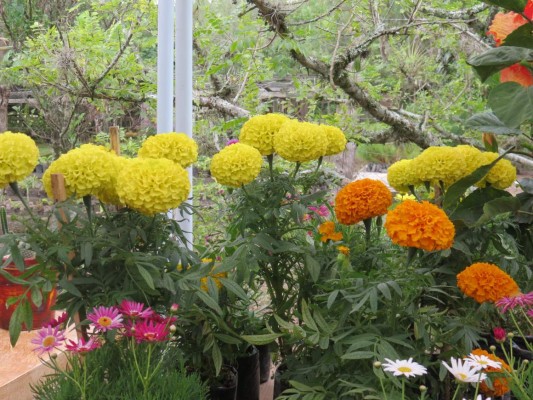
(528,11)
(503,24)
(517,73)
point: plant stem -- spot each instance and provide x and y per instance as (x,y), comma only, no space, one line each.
(368,230)
(15,187)
(403,389)
(270,159)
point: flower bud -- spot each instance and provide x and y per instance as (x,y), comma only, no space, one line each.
(525,362)
(499,334)
(423,388)
(492,348)
(510,335)
(53,356)
(174,308)
(172,328)
(377,364)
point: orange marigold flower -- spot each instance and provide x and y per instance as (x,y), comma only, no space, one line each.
(344,250)
(327,230)
(500,384)
(421,225)
(517,73)
(486,282)
(360,200)
(503,24)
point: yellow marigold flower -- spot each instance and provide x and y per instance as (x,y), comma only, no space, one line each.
(439,164)
(259,131)
(152,185)
(486,282)
(236,165)
(327,230)
(500,384)
(471,158)
(108,194)
(403,197)
(336,139)
(300,141)
(177,147)
(215,276)
(421,225)
(18,157)
(403,174)
(501,175)
(87,170)
(344,250)
(360,200)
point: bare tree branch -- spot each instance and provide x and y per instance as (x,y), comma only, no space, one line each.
(459,14)
(219,104)
(309,21)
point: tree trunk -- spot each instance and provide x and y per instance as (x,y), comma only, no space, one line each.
(4,102)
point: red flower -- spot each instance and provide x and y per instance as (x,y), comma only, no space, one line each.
(151,331)
(499,334)
(517,73)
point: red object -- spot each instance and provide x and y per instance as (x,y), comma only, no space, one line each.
(41,315)
(499,334)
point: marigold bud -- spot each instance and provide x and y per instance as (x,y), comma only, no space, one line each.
(510,335)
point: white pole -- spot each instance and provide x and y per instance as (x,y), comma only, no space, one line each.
(183,85)
(165,64)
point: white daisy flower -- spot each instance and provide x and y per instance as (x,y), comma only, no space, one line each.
(464,372)
(479,397)
(481,361)
(404,367)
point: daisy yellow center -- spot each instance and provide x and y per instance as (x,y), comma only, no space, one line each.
(104,321)
(405,369)
(462,376)
(482,362)
(49,341)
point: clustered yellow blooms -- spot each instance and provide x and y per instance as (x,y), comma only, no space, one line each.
(236,165)
(300,141)
(177,147)
(259,131)
(18,157)
(335,138)
(446,165)
(152,185)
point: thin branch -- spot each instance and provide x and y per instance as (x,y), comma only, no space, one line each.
(219,104)
(337,43)
(309,21)
(460,14)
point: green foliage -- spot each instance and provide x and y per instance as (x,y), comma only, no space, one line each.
(386,153)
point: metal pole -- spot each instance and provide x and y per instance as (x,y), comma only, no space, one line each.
(165,64)
(183,86)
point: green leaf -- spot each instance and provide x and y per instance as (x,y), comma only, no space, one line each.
(331,298)
(384,289)
(146,276)
(259,340)
(36,297)
(512,103)
(459,188)
(496,59)
(217,358)
(307,318)
(15,325)
(498,206)
(512,5)
(520,37)
(313,266)
(471,208)
(488,122)
(69,287)
(227,338)
(209,301)
(358,355)
(233,287)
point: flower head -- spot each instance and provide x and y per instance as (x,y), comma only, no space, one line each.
(151,331)
(403,174)
(18,157)
(336,139)
(501,175)
(344,250)
(204,285)
(360,200)
(105,318)
(407,368)
(176,147)
(300,141)
(152,185)
(464,372)
(517,73)
(59,321)
(499,334)
(259,131)
(481,361)
(499,384)
(507,303)
(236,165)
(83,347)
(87,170)
(135,310)
(48,338)
(421,225)
(439,164)
(486,282)
(327,230)
(503,24)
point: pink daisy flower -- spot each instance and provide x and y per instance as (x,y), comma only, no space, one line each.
(151,331)
(135,310)
(58,321)
(232,141)
(105,318)
(48,338)
(83,347)
(508,303)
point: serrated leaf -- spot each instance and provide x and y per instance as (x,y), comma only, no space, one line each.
(520,37)
(258,340)
(146,276)
(227,338)
(233,287)
(331,298)
(384,289)
(498,206)
(512,103)
(69,287)
(307,318)
(488,122)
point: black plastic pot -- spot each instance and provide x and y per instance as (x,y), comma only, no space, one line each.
(248,371)
(265,363)
(226,389)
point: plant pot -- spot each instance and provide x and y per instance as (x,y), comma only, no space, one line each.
(265,363)
(41,315)
(226,389)
(280,384)
(248,371)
